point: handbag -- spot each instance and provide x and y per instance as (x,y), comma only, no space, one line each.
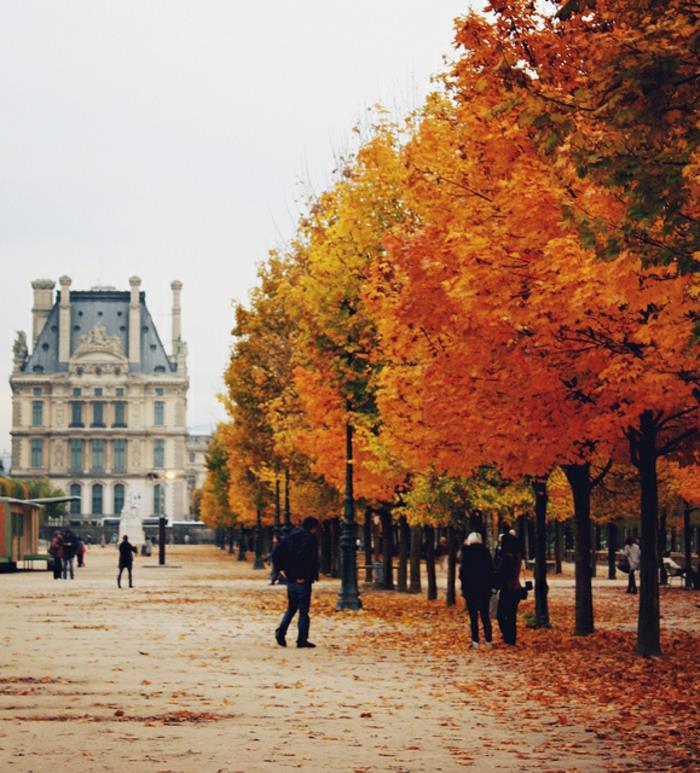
(624,565)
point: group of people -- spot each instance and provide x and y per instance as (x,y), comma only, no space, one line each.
(64,549)
(295,561)
(482,576)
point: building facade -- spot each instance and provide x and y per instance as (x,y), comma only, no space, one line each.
(98,405)
(196,464)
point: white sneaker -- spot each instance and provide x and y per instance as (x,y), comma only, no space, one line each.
(475,645)
(488,644)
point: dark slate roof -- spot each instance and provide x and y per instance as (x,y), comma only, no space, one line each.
(111,309)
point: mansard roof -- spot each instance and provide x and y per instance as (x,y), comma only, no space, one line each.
(109,308)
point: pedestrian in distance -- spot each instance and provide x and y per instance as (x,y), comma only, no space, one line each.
(510,590)
(126,560)
(297,558)
(443,552)
(80,550)
(476,574)
(56,553)
(633,554)
(69,548)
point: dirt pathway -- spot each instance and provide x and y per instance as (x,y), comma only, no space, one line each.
(181,674)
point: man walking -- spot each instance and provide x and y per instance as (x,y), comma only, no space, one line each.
(69,548)
(297,557)
(126,560)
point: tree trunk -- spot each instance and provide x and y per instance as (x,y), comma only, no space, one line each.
(416,540)
(404,542)
(541,588)
(335,547)
(451,567)
(612,550)
(558,547)
(579,477)
(367,535)
(241,544)
(387,549)
(644,456)
(430,562)
(325,540)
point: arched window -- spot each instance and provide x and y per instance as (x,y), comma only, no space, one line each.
(157,499)
(76,490)
(97,499)
(118,498)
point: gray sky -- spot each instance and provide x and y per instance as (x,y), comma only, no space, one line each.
(175,139)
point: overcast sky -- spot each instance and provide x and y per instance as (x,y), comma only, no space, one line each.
(175,139)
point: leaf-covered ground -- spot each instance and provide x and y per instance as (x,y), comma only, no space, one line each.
(181,674)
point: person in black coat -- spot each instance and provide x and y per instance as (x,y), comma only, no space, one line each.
(508,583)
(126,560)
(476,574)
(297,557)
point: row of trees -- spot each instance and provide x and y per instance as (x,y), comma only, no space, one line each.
(497,291)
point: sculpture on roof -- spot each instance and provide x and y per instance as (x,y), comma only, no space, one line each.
(20,350)
(97,340)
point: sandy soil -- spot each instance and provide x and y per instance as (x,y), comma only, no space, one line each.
(182,674)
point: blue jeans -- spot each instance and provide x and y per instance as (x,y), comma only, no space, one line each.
(298,599)
(68,562)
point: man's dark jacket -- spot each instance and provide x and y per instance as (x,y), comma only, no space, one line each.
(126,553)
(297,556)
(476,572)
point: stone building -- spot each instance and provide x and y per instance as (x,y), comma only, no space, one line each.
(196,464)
(98,405)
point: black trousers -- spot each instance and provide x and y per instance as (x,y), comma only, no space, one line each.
(128,567)
(632,582)
(508,600)
(479,606)
(57,568)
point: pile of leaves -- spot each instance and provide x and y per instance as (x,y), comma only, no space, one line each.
(641,708)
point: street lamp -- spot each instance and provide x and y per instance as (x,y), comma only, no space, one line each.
(349,596)
(169,476)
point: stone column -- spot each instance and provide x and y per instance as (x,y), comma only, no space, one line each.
(176,287)
(64,320)
(135,321)
(43,301)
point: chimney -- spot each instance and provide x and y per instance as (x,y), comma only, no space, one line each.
(176,287)
(64,320)
(135,321)
(43,301)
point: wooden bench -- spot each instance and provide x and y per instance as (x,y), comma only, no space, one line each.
(530,566)
(672,571)
(29,558)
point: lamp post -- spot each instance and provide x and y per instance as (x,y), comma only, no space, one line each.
(349,596)
(170,476)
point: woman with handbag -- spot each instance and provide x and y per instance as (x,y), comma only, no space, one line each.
(511,592)
(633,554)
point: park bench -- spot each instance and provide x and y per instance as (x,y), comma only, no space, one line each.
(673,571)
(28,560)
(530,566)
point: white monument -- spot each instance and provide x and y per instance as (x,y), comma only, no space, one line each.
(130,522)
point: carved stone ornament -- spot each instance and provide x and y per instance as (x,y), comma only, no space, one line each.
(20,351)
(98,342)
